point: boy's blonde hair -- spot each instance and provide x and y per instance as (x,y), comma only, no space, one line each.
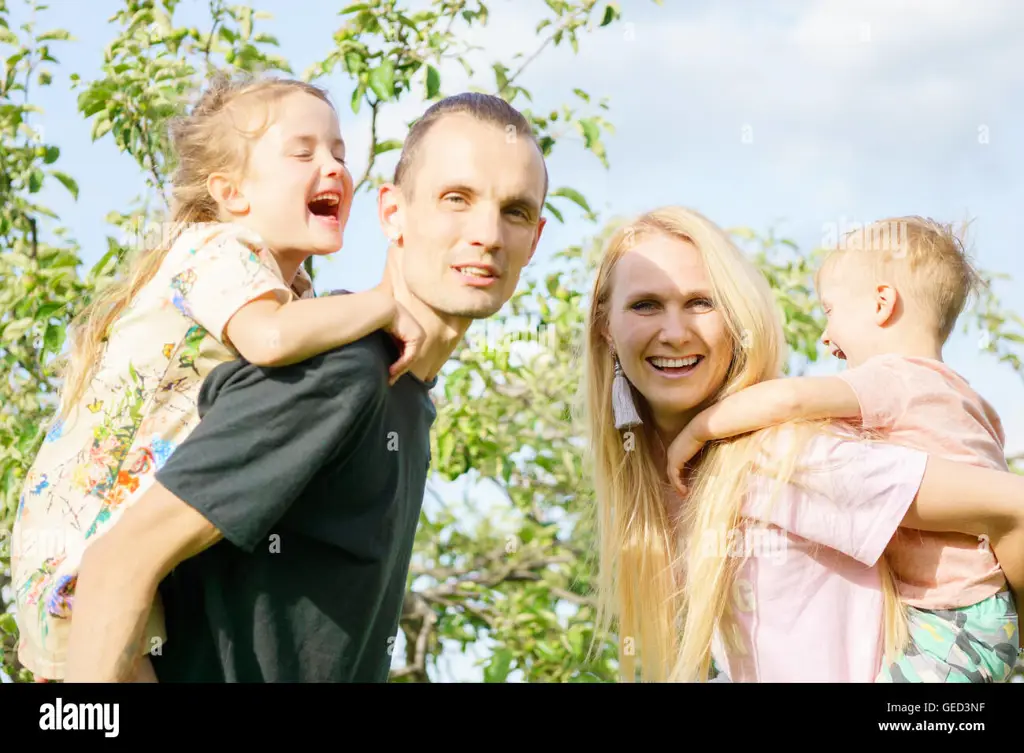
(927,260)
(209,139)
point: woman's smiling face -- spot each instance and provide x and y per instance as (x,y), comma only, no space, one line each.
(673,343)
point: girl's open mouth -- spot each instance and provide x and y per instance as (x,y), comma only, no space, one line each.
(324,207)
(675,367)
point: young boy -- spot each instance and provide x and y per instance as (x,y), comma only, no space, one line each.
(892,294)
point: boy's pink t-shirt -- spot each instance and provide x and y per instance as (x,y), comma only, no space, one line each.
(924,404)
(807,600)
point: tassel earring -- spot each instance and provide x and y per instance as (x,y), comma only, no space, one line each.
(622,400)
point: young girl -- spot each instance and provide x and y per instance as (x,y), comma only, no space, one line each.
(261,185)
(892,296)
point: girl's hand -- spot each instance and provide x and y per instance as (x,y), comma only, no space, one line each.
(410,336)
(682,449)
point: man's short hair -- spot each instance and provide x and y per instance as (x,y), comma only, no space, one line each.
(485,108)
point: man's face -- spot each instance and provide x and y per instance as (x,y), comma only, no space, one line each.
(474,218)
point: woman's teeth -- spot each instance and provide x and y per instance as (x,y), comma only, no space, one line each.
(674,363)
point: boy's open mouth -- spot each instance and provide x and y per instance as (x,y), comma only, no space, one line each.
(675,366)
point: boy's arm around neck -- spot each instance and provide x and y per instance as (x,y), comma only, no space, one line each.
(776,402)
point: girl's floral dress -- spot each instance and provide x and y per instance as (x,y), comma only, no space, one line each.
(141,403)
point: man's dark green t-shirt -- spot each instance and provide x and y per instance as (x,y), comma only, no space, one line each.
(315,474)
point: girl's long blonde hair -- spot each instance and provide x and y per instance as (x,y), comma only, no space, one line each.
(666,590)
(212,138)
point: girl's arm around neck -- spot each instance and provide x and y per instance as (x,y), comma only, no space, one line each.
(267,333)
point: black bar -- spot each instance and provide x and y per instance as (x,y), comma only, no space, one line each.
(315,714)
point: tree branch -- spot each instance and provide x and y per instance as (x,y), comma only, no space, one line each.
(559,29)
(494,575)
(415,609)
(215,11)
(375,107)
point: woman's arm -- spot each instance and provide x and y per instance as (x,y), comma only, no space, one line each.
(958,497)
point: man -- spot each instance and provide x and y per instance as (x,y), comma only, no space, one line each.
(288,516)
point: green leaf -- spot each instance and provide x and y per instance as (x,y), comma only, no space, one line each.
(51,155)
(7,36)
(353,8)
(609,15)
(58,34)
(28,439)
(15,330)
(68,182)
(101,127)
(47,310)
(112,250)
(382,80)
(433,82)
(498,668)
(354,62)
(35,180)
(7,623)
(92,100)
(575,196)
(551,208)
(53,340)
(64,259)
(591,133)
(387,146)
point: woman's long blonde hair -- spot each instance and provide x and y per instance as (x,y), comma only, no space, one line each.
(668,592)
(212,138)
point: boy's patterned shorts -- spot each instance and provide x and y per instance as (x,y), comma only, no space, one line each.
(979,643)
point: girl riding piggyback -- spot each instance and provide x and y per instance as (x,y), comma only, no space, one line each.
(261,185)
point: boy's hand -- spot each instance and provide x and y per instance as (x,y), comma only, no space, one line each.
(410,336)
(683,448)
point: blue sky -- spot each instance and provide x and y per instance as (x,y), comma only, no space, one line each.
(795,115)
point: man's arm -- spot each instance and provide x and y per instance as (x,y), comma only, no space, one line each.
(266,434)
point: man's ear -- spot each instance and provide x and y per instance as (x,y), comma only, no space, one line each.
(227,195)
(886,301)
(536,239)
(389,212)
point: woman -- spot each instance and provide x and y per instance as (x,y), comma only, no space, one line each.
(788,573)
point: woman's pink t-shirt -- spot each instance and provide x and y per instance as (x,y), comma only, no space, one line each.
(807,600)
